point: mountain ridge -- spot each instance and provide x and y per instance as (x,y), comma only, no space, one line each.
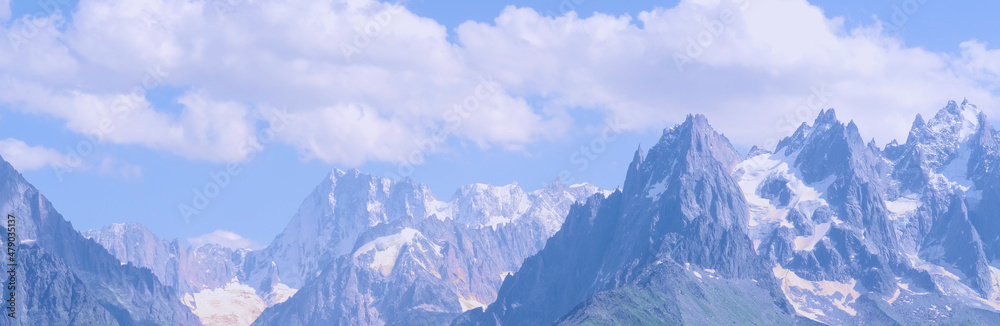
(824,228)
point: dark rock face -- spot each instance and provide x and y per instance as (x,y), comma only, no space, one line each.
(843,232)
(98,288)
(984,172)
(429,260)
(68,302)
(776,188)
(861,243)
(416,264)
(563,274)
(826,229)
(680,208)
(949,161)
(954,241)
(757,151)
(794,143)
(438,260)
(186,270)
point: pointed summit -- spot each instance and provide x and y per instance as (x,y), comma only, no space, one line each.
(633,175)
(694,137)
(919,121)
(955,121)
(757,151)
(556,184)
(952,105)
(699,121)
(826,117)
(874,146)
(933,144)
(637,158)
(704,140)
(833,148)
(793,143)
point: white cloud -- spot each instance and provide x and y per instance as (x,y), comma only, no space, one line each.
(748,69)
(981,62)
(26,158)
(226,239)
(4,11)
(405,77)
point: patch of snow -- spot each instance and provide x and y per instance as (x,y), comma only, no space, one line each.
(970,122)
(279,293)
(906,286)
(386,249)
(755,171)
(808,243)
(955,173)
(442,210)
(903,206)
(496,221)
(919,263)
(469,303)
(803,293)
(894,297)
(765,216)
(656,190)
(236,304)
(430,308)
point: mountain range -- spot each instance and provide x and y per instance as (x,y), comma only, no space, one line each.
(372,250)
(825,228)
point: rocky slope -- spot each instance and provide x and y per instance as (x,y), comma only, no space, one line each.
(66,279)
(679,218)
(825,228)
(409,259)
(394,232)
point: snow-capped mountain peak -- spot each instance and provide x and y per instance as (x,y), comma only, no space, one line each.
(956,120)
(488,205)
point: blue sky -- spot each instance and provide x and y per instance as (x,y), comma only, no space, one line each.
(535,135)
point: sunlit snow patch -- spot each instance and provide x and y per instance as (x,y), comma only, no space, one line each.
(236,304)
(656,190)
(765,216)
(279,293)
(808,243)
(902,206)
(469,303)
(386,249)
(810,298)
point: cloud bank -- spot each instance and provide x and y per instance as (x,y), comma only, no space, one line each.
(371,81)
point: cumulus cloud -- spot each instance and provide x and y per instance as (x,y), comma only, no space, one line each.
(226,239)
(365,80)
(26,158)
(4,11)
(756,69)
